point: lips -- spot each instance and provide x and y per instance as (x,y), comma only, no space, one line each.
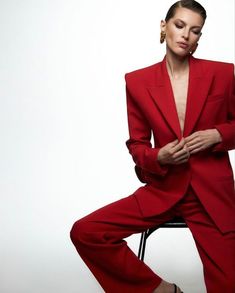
(182,45)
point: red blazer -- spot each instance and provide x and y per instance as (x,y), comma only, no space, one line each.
(152,113)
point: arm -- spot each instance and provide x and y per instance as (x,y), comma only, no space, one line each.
(222,136)
(227,130)
(139,145)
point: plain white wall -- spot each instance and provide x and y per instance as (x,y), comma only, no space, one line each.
(64,127)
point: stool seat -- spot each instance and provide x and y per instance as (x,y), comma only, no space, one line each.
(176,222)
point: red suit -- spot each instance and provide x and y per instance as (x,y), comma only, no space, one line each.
(206,179)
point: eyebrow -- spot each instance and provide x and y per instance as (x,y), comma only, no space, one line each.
(195,26)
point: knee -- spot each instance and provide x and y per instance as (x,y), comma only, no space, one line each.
(78,231)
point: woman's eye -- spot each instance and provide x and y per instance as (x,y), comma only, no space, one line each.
(178,25)
(196,33)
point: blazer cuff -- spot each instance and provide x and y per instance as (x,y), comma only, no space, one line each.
(152,163)
(228,138)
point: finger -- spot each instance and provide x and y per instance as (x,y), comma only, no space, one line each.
(199,145)
(194,146)
(199,149)
(196,151)
(179,146)
(181,153)
(193,141)
(191,137)
(181,162)
(183,157)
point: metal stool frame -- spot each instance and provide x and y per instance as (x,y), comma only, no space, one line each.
(176,222)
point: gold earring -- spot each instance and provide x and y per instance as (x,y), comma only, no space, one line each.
(162,37)
(194,48)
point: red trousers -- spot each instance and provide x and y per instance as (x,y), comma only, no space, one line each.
(99,236)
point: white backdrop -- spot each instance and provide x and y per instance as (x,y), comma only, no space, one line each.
(64,127)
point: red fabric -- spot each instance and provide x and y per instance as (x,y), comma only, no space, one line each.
(152,111)
(98,239)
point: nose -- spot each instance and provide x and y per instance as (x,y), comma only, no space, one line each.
(186,34)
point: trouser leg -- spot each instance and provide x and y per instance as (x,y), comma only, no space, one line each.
(217,250)
(98,239)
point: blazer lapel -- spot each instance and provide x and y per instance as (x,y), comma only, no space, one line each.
(163,97)
(198,88)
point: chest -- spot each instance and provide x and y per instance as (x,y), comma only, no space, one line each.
(180,92)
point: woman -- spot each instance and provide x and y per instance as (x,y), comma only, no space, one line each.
(188,105)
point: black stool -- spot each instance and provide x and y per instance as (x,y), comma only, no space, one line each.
(176,222)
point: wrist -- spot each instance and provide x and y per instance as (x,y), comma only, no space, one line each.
(159,157)
(218,136)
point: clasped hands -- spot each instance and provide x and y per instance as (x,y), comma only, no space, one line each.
(178,152)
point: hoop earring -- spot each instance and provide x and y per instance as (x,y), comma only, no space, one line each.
(194,49)
(162,37)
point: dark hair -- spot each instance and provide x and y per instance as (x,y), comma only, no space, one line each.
(189,4)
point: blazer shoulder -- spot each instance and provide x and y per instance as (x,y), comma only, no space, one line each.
(141,74)
(217,66)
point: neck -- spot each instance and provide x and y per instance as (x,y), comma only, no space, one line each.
(177,66)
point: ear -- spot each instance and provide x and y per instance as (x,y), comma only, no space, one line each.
(163,25)
(194,48)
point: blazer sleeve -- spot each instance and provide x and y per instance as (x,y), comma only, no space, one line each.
(138,144)
(227,129)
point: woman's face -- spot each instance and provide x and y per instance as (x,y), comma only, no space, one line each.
(182,31)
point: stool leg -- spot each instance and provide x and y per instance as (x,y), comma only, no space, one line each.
(143,239)
(141,245)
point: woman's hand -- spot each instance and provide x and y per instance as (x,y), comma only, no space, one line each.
(201,140)
(174,153)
